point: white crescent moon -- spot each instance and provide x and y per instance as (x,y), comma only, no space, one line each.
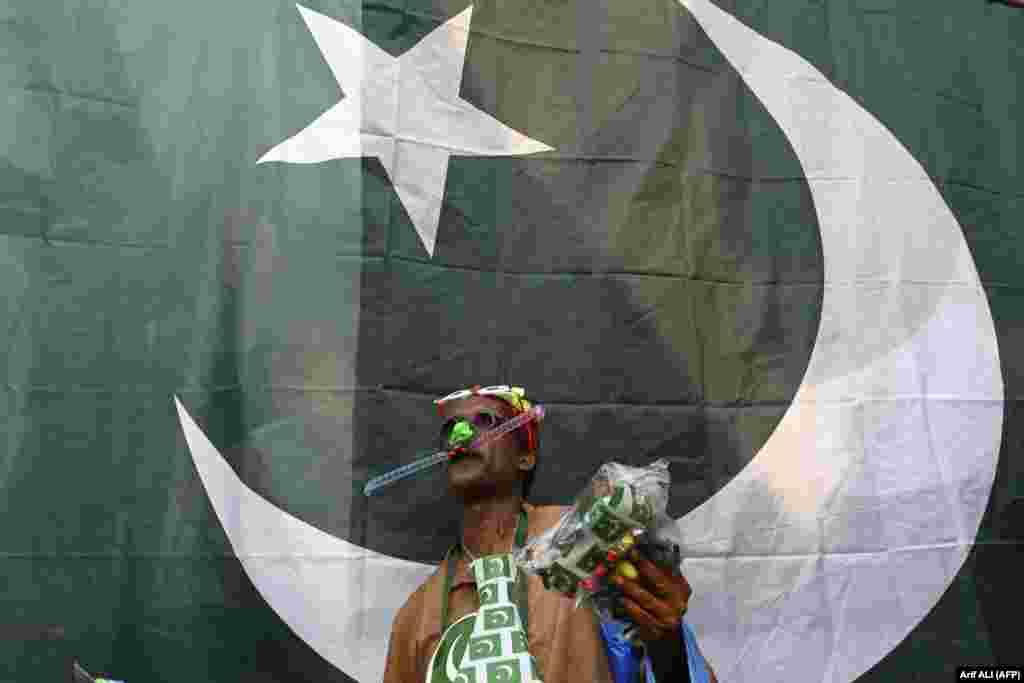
(853,519)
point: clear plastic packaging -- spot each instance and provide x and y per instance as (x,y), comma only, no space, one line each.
(622,507)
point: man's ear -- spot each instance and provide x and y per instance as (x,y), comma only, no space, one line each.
(527,461)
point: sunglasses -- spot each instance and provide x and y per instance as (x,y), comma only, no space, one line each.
(481,421)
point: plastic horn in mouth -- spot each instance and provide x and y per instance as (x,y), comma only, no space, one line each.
(404,472)
(460,443)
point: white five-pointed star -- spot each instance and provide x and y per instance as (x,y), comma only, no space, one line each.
(404,110)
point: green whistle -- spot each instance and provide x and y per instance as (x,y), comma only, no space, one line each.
(462,434)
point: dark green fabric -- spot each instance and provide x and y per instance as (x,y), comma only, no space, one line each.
(656,283)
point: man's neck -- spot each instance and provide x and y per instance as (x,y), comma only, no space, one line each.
(489,525)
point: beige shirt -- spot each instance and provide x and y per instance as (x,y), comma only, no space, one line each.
(565,641)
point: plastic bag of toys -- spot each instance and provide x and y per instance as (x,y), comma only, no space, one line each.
(621,508)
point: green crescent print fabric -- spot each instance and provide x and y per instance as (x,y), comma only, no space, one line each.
(497,651)
(445,662)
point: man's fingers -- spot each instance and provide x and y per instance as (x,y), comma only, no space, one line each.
(661,580)
(648,626)
(656,578)
(672,588)
(638,595)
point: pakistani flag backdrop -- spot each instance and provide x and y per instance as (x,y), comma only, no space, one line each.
(244,244)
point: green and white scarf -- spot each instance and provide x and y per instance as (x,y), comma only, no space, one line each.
(497,651)
(490,645)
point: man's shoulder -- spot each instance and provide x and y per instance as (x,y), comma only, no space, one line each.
(418,598)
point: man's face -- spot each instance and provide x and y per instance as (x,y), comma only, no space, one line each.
(495,468)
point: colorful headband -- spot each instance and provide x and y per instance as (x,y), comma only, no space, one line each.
(514,396)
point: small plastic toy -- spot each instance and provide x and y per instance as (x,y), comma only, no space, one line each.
(622,508)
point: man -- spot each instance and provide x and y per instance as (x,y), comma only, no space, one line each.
(436,634)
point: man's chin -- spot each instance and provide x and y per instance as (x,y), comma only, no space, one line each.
(466,473)
(468,480)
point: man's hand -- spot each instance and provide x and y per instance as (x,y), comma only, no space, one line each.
(655,600)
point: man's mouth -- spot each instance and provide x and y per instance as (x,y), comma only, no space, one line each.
(461,453)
